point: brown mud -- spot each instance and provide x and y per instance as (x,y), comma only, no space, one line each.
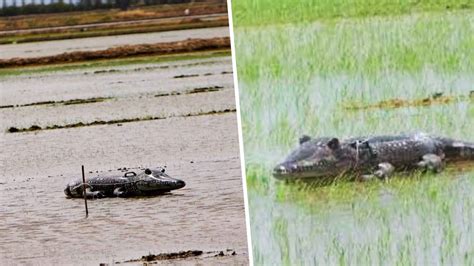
(435,99)
(190,45)
(118,121)
(182,255)
(205,74)
(67,20)
(67,102)
(195,90)
(86,32)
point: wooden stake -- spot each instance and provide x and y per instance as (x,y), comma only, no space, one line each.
(84,190)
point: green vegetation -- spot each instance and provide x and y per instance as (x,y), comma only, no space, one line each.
(112,63)
(266,12)
(300,78)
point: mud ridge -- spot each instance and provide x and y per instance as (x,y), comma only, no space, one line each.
(186,76)
(193,91)
(85,33)
(117,121)
(189,45)
(68,102)
(182,255)
(435,99)
(205,74)
(173,66)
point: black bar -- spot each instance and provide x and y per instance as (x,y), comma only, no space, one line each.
(84,190)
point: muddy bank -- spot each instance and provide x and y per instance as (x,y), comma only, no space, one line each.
(49,48)
(101,30)
(28,23)
(190,45)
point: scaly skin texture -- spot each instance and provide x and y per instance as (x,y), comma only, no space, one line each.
(147,183)
(368,157)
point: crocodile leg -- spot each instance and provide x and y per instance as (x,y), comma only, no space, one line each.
(384,171)
(94,194)
(119,192)
(431,162)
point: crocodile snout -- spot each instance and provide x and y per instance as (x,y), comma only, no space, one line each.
(280,170)
(180,184)
(284,170)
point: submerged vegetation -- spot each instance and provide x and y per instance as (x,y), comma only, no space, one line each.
(349,68)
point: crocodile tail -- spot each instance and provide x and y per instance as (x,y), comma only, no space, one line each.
(457,150)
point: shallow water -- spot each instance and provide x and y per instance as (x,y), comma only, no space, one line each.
(41,226)
(114,83)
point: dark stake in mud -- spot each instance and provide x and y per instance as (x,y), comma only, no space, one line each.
(84,189)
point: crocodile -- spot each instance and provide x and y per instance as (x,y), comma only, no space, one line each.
(365,158)
(147,183)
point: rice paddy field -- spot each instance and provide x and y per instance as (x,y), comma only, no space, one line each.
(349,68)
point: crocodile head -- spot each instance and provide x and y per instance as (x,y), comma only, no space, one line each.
(156,180)
(319,157)
(74,189)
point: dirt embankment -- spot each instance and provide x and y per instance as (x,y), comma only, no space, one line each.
(112,29)
(190,45)
(107,16)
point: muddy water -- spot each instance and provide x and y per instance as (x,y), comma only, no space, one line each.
(148,83)
(145,79)
(48,48)
(39,226)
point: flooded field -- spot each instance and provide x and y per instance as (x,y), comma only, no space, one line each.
(343,77)
(48,48)
(183,118)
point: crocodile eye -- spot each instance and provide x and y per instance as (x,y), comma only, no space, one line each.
(162,170)
(148,171)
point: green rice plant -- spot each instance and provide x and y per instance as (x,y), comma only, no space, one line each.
(265,12)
